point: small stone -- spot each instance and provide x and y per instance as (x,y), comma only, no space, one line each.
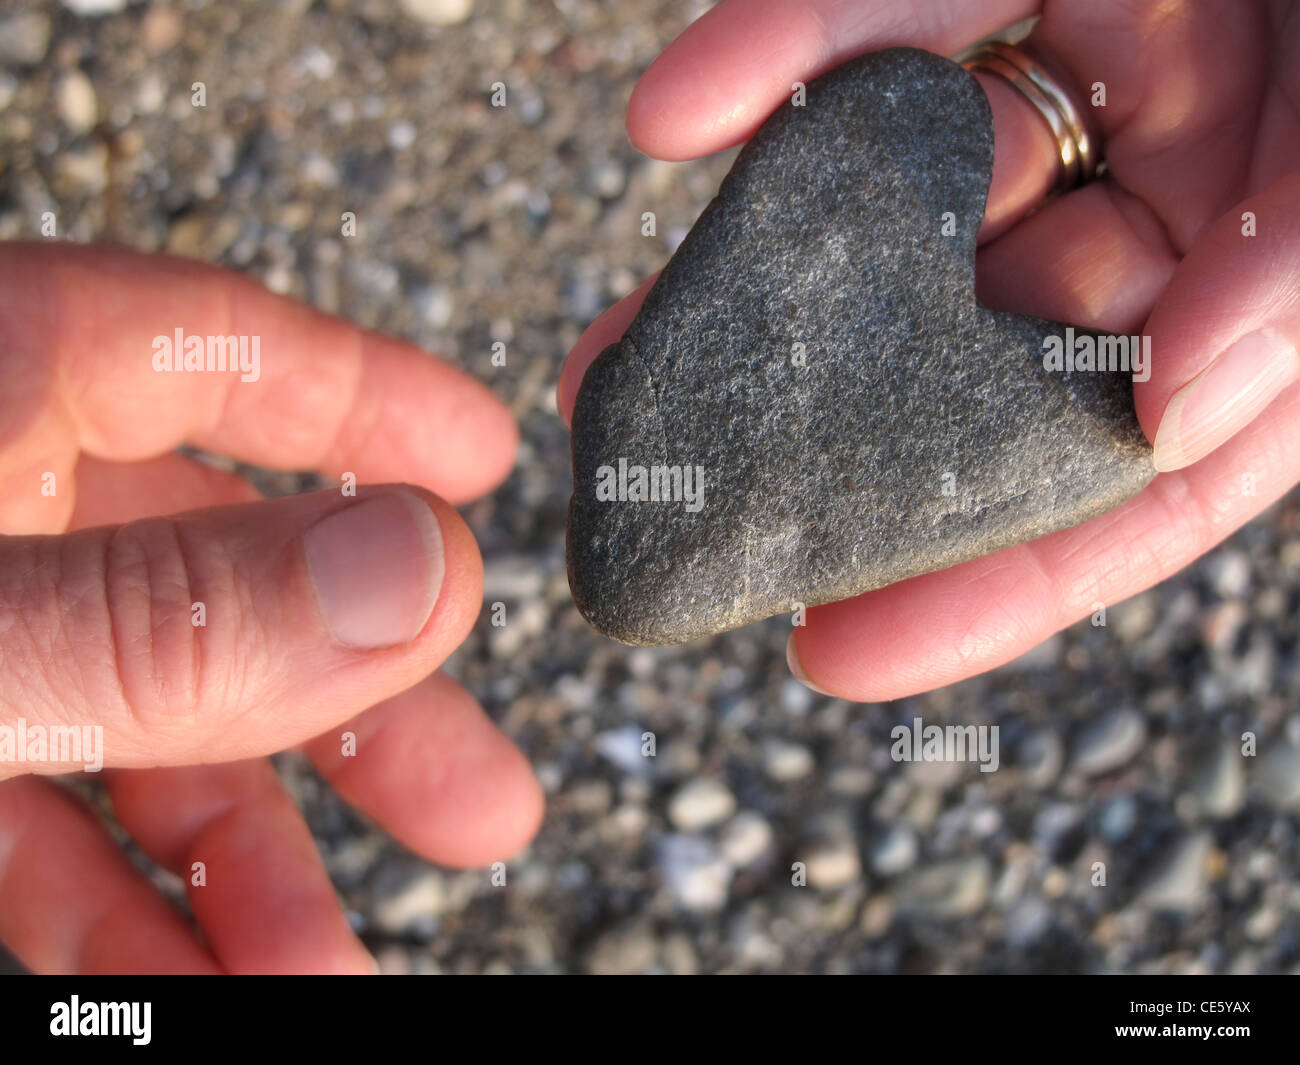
(811,404)
(415,908)
(439,12)
(786,762)
(623,951)
(833,863)
(161,29)
(1058,829)
(877,915)
(695,874)
(513,576)
(956,888)
(1229,572)
(894,851)
(1028,921)
(796,698)
(1278,774)
(1262,925)
(746,840)
(94,8)
(1040,757)
(622,748)
(24,38)
(1108,743)
(607,180)
(1180,883)
(1118,818)
(76,101)
(700,804)
(1219,781)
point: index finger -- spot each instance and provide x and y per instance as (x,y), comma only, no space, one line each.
(119,354)
(714,85)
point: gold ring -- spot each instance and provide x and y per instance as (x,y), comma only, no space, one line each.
(1077,151)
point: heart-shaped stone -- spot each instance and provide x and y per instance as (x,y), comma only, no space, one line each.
(811,404)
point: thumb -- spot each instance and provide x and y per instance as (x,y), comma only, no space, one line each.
(1224,333)
(225,633)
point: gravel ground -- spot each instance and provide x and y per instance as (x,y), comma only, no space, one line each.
(1119,744)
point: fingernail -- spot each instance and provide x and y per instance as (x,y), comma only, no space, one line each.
(377,567)
(1224,398)
(796,667)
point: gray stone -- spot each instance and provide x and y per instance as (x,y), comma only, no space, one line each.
(956,888)
(24,37)
(815,348)
(1218,780)
(697,877)
(746,840)
(700,804)
(1180,882)
(1109,742)
(894,851)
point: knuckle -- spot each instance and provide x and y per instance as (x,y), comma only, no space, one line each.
(149,588)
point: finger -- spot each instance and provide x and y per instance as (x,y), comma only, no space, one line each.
(113,493)
(70,902)
(1224,333)
(1184,89)
(933,630)
(431,768)
(311,607)
(719,80)
(1097,257)
(256,882)
(78,369)
(714,85)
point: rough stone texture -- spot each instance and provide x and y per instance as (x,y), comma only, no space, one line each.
(921,430)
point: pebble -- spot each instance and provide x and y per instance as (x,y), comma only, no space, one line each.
(607,180)
(623,951)
(1218,781)
(415,908)
(94,8)
(796,698)
(24,37)
(1179,883)
(697,877)
(439,12)
(161,29)
(1229,572)
(785,762)
(1108,743)
(514,577)
(746,840)
(1040,758)
(622,748)
(956,888)
(1278,774)
(1028,921)
(1057,827)
(833,863)
(76,101)
(1118,818)
(700,804)
(894,851)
